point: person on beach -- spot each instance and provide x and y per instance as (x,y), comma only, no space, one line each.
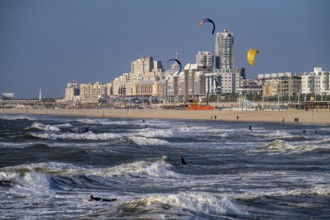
(98,199)
(182,160)
(237,117)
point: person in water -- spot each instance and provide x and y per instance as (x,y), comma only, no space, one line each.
(182,160)
(98,199)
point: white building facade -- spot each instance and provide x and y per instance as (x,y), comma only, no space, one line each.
(316,82)
(219,82)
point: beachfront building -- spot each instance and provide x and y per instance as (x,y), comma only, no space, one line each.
(271,88)
(149,89)
(224,53)
(145,72)
(250,89)
(316,82)
(223,79)
(146,69)
(218,82)
(289,85)
(171,83)
(92,91)
(71,91)
(280,84)
(120,85)
(269,76)
(8,96)
(205,59)
(192,84)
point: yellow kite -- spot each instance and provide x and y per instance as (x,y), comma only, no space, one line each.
(250,56)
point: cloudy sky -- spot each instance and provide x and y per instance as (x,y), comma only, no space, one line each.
(47,43)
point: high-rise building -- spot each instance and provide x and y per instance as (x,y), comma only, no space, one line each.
(205,59)
(224,53)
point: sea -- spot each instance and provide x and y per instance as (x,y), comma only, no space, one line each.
(50,166)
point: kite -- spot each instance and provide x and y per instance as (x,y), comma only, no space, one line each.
(207,20)
(250,56)
(178,62)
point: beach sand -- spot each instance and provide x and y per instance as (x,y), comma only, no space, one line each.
(288,116)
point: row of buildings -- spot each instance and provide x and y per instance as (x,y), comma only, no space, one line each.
(211,74)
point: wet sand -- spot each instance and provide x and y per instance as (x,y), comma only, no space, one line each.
(288,116)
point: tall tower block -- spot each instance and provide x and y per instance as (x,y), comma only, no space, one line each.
(224,53)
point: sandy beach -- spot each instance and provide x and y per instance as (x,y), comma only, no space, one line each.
(288,116)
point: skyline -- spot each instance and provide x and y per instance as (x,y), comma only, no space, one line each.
(46,44)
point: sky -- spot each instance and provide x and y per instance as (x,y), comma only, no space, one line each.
(44,44)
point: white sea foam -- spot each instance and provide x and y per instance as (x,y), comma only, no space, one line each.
(323,190)
(194,201)
(149,132)
(44,127)
(26,183)
(18,117)
(16,145)
(76,136)
(159,169)
(148,141)
(279,146)
(109,122)
(276,134)
(65,125)
(4,176)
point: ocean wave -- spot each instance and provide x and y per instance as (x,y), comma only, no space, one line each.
(323,190)
(15,145)
(65,125)
(76,136)
(26,183)
(195,202)
(109,122)
(148,141)
(17,117)
(159,168)
(150,132)
(43,127)
(277,134)
(280,146)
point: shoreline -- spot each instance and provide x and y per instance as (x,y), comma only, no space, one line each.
(305,117)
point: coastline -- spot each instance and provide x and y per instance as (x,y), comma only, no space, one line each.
(275,116)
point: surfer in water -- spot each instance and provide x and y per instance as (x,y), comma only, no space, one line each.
(182,160)
(98,199)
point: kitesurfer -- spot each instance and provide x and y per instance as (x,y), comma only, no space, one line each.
(182,160)
(98,199)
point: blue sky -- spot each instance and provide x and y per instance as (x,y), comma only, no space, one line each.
(45,44)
